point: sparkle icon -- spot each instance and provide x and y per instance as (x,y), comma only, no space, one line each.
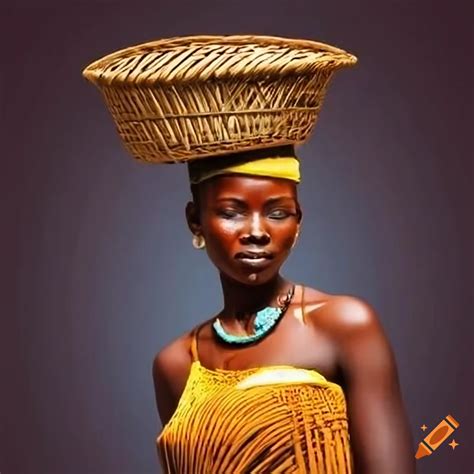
(453,444)
(424,427)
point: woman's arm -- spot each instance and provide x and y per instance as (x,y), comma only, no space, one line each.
(170,371)
(379,428)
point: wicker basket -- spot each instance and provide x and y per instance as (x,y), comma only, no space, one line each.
(191,97)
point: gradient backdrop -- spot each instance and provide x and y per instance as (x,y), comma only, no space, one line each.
(97,268)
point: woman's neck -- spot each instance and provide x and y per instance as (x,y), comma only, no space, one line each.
(242,301)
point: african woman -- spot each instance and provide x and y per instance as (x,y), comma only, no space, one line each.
(285,377)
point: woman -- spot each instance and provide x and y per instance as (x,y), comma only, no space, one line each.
(237,217)
(286,377)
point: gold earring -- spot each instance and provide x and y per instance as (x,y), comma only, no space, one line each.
(198,241)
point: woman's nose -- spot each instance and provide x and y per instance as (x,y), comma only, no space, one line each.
(256,230)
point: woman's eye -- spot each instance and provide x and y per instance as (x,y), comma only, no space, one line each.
(279,214)
(228,213)
(234,213)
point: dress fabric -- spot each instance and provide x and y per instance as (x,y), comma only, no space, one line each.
(277,419)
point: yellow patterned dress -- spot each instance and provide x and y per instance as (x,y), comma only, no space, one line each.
(278,419)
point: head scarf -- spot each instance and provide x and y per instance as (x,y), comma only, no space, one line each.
(276,162)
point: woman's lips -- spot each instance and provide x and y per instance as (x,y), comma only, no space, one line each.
(254,254)
(255,260)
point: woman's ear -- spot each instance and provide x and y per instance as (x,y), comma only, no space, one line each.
(193,218)
(300,214)
(297,233)
(298,228)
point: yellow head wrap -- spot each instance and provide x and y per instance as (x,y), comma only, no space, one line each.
(277,162)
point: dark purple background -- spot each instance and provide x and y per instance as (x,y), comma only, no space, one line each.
(98,272)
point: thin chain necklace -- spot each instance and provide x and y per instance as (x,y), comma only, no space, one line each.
(265,320)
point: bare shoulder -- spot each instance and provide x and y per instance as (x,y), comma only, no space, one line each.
(347,314)
(340,315)
(350,322)
(171,366)
(354,327)
(174,358)
(372,386)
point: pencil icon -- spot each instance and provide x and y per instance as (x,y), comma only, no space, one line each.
(436,437)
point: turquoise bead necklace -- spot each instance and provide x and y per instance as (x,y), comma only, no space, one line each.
(265,321)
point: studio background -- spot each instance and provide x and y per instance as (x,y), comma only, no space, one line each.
(97,268)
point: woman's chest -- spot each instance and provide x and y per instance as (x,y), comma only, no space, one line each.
(222,419)
(293,343)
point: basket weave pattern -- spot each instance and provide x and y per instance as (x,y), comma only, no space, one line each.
(192,97)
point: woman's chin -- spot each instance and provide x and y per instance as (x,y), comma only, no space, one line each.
(252,277)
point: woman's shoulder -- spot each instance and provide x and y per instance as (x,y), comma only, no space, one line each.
(176,356)
(175,352)
(171,367)
(339,315)
(353,327)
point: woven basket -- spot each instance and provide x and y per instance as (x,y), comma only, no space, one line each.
(186,98)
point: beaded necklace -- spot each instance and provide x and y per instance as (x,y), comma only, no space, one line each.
(265,320)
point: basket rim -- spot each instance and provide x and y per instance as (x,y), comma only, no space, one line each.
(93,72)
(216,152)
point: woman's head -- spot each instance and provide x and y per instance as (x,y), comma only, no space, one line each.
(249,223)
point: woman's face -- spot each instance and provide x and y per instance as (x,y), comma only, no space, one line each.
(249,224)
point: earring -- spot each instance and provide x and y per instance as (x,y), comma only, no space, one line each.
(198,241)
